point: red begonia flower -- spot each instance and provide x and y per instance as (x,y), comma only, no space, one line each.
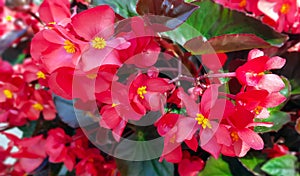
(252,73)
(96,26)
(190,165)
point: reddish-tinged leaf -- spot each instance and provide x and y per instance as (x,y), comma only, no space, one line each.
(226,43)
(177,11)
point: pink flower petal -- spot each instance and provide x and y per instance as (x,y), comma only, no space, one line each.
(91,22)
(271,83)
(275,63)
(251,138)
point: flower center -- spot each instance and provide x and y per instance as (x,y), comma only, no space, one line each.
(98,43)
(258,110)
(91,75)
(172,139)
(203,121)
(141,91)
(114,105)
(69,46)
(8,94)
(285,8)
(40,75)
(38,106)
(234,136)
(9,18)
(243,3)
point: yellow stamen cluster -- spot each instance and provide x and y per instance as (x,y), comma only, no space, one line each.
(98,43)
(114,105)
(203,121)
(91,75)
(8,18)
(40,75)
(243,3)
(69,46)
(141,91)
(8,94)
(258,110)
(234,136)
(172,139)
(38,106)
(285,8)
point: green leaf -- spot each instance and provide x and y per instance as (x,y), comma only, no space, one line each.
(252,161)
(28,129)
(296,91)
(212,20)
(145,168)
(284,165)
(215,167)
(278,118)
(125,8)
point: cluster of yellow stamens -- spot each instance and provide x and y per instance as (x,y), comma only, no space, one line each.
(285,8)
(234,136)
(258,110)
(69,46)
(8,94)
(141,91)
(40,75)
(38,106)
(98,43)
(243,3)
(203,121)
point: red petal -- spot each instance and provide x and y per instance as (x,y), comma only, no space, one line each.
(214,61)
(191,107)
(186,129)
(91,22)
(209,98)
(212,147)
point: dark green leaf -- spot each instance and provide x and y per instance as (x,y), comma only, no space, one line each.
(284,165)
(278,118)
(296,91)
(28,129)
(213,20)
(145,168)
(125,8)
(215,167)
(252,161)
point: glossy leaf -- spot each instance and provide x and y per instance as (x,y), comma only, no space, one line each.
(213,20)
(252,161)
(278,118)
(28,129)
(177,11)
(216,167)
(225,43)
(145,168)
(284,165)
(124,8)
